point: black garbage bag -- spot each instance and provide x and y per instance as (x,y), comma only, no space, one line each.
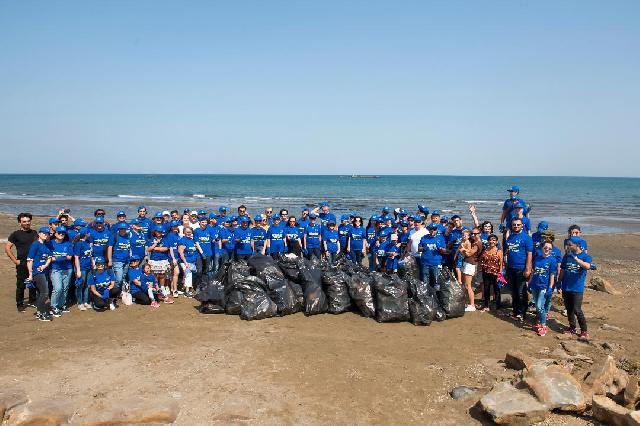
(283,295)
(255,304)
(290,266)
(440,315)
(392,300)
(360,290)
(422,302)
(408,267)
(451,297)
(235,272)
(211,294)
(335,285)
(298,292)
(315,301)
(310,273)
(258,264)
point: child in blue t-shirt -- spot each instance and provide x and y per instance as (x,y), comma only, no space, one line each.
(542,282)
(393,253)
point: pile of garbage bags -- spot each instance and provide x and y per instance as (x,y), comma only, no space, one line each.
(263,287)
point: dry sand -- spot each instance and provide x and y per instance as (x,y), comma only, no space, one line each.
(313,370)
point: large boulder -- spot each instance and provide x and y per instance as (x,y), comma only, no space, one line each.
(518,360)
(600,284)
(46,412)
(608,412)
(11,398)
(135,411)
(632,393)
(510,406)
(555,388)
(600,378)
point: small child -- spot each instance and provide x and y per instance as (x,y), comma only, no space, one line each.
(393,252)
(542,282)
(379,251)
(148,280)
(331,242)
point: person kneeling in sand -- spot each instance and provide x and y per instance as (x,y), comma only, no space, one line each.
(144,286)
(102,287)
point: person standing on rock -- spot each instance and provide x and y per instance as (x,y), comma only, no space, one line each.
(22,240)
(573,273)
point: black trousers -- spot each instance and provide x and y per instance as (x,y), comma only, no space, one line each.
(142,298)
(573,305)
(489,282)
(42,288)
(22,273)
(99,302)
(357,256)
(519,295)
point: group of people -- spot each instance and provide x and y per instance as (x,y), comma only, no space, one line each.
(163,257)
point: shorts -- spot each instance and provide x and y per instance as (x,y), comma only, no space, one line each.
(468,269)
(459,262)
(159,266)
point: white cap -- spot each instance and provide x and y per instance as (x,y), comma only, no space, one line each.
(166,213)
(193,212)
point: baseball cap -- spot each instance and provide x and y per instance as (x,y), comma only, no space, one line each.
(193,213)
(331,222)
(313,216)
(121,213)
(99,259)
(514,188)
(166,213)
(174,223)
(576,240)
(84,231)
(257,218)
(305,210)
(386,209)
(518,205)
(445,218)
(243,219)
(385,232)
(422,208)
(44,229)
(404,223)
(53,220)
(222,209)
(79,222)
(432,226)
(276,217)
(158,229)
(212,215)
(228,220)
(121,225)
(134,258)
(542,226)
(158,215)
(435,213)
(202,212)
(135,221)
(100,219)
(344,217)
(324,204)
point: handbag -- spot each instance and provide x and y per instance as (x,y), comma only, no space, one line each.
(126,297)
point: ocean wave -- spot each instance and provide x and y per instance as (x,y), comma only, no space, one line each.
(129,196)
(482,202)
(198,196)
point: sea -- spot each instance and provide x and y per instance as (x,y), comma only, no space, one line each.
(599,205)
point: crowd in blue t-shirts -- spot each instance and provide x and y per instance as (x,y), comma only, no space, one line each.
(156,259)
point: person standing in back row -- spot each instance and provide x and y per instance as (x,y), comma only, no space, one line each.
(22,240)
(519,248)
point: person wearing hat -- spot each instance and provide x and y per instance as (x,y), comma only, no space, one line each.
(453,236)
(574,231)
(379,250)
(226,241)
(137,238)
(159,256)
(121,217)
(53,222)
(143,284)
(507,206)
(371,232)
(324,213)
(100,237)
(304,220)
(312,239)
(403,235)
(73,228)
(393,254)
(276,243)
(204,237)
(542,281)
(83,260)
(423,211)
(143,220)
(518,212)
(343,233)
(292,236)
(222,210)
(99,213)
(102,287)
(536,237)
(244,244)
(259,233)
(431,248)
(61,269)
(157,221)
(173,241)
(413,243)
(214,228)
(188,253)
(331,241)
(119,251)
(573,273)
(519,248)
(38,259)
(357,241)
(22,239)
(437,219)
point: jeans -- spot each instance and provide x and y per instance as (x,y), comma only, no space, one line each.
(332,257)
(372,262)
(314,252)
(120,270)
(547,299)
(540,297)
(419,263)
(356,256)
(519,295)
(82,290)
(22,273)
(60,280)
(429,275)
(573,304)
(490,281)
(215,263)
(40,282)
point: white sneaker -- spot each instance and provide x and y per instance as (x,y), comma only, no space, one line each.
(82,307)
(470,308)
(87,305)
(112,306)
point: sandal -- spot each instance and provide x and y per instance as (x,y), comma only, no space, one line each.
(168,300)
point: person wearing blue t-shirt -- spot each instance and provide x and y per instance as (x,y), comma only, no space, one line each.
(536,237)
(392,251)
(204,240)
(431,248)
(453,236)
(519,248)
(158,248)
(172,239)
(119,252)
(292,236)
(143,220)
(102,287)
(142,283)
(371,233)
(100,237)
(356,243)
(379,250)
(61,271)
(519,214)
(542,282)
(514,198)
(275,241)
(82,256)
(324,214)
(303,222)
(343,233)
(38,260)
(244,244)
(138,239)
(573,273)
(331,241)
(575,231)
(258,235)
(312,241)
(403,235)
(188,253)
(226,242)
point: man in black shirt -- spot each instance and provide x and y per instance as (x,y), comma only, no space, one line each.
(22,240)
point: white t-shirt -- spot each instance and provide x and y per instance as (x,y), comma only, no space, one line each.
(414,237)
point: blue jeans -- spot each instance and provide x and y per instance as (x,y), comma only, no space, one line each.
(60,281)
(547,300)
(314,252)
(120,270)
(519,295)
(372,262)
(82,290)
(429,275)
(356,256)
(539,297)
(333,257)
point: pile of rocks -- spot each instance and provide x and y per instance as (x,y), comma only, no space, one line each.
(542,386)
(16,408)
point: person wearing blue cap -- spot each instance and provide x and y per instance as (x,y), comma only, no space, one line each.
(157,222)
(53,222)
(393,253)
(343,232)
(100,237)
(542,281)
(138,239)
(331,241)
(244,244)
(38,259)
(143,220)
(188,253)
(423,211)
(371,232)
(172,238)
(259,233)
(292,236)
(303,222)
(536,237)
(61,269)
(518,212)
(453,236)
(82,257)
(72,230)
(144,285)
(519,248)
(324,214)
(403,235)
(204,237)
(431,248)
(509,203)
(103,292)
(312,238)
(158,248)
(573,273)
(276,243)
(357,240)
(379,250)
(226,241)
(575,231)
(222,210)
(22,239)
(118,253)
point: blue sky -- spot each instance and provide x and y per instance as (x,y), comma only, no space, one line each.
(367,87)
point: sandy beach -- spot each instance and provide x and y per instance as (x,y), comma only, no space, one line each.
(341,369)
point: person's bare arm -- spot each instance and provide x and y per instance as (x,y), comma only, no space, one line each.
(474,216)
(7,249)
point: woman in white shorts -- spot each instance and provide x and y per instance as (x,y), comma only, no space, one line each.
(469,249)
(159,256)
